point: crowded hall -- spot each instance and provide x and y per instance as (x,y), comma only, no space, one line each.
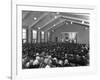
(54,39)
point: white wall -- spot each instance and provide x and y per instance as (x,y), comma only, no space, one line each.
(82,37)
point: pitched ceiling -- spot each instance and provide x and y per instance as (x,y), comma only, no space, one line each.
(50,20)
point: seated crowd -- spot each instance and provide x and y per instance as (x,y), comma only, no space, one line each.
(50,55)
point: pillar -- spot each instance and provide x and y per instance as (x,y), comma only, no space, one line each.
(29,35)
(38,36)
(50,38)
(46,36)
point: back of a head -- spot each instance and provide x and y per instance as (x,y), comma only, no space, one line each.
(27,64)
(47,66)
(35,62)
(37,58)
(66,61)
(60,62)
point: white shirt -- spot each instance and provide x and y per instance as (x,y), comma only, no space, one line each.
(35,62)
(47,66)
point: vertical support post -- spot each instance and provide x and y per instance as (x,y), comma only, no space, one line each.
(29,35)
(50,37)
(46,36)
(76,37)
(38,36)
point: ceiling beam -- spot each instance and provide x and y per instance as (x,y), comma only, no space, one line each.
(50,21)
(59,25)
(77,22)
(40,18)
(56,24)
(75,18)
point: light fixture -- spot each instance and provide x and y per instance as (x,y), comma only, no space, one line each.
(54,25)
(39,28)
(35,18)
(55,17)
(82,22)
(71,22)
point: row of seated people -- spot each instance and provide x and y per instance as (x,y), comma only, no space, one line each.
(44,55)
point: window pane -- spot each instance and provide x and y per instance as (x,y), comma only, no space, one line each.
(73,35)
(24,34)
(34,34)
(24,41)
(24,30)
(42,35)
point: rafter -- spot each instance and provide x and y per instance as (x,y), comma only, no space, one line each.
(50,21)
(77,22)
(41,17)
(56,24)
(75,18)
